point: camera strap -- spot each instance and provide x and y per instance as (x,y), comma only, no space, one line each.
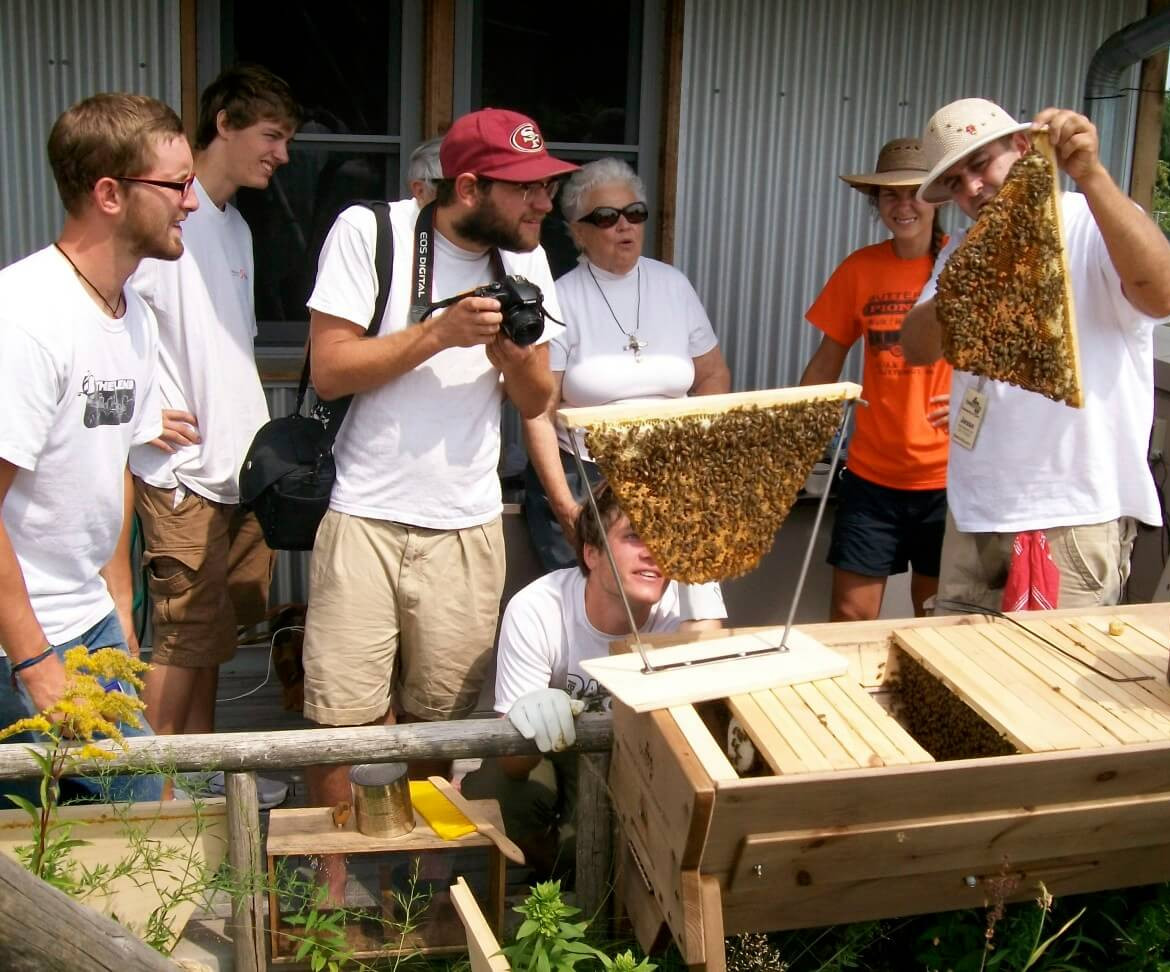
(424,265)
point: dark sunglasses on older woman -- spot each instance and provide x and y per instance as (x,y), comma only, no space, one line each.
(606,216)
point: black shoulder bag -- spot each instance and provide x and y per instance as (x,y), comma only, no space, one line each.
(288,472)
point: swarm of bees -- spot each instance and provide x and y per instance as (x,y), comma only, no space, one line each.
(1003,300)
(707,492)
(944,725)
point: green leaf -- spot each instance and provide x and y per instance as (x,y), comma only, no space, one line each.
(542,964)
(527,927)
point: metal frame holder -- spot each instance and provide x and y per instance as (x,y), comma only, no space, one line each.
(648,668)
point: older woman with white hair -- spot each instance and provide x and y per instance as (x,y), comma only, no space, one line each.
(635,329)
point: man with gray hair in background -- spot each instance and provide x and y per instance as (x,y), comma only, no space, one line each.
(424,170)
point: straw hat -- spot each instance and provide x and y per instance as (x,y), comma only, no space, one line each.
(955,131)
(900,163)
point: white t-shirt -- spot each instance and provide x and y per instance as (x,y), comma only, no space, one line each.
(1038,463)
(664,313)
(207,326)
(77,389)
(545,634)
(423,448)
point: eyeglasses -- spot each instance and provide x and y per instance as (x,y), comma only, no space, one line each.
(550,186)
(182,188)
(606,216)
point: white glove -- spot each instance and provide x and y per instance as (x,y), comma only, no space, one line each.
(546,716)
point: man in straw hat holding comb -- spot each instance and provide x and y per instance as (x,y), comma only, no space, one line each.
(1077,476)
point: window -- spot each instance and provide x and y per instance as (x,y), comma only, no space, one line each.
(590,78)
(348,65)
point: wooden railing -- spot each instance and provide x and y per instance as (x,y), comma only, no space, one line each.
(242,754)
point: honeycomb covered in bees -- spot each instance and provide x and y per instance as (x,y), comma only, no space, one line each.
(944,725)
(707,492)
(1004,306)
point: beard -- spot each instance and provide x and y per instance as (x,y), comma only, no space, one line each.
(486,226)
(147,236)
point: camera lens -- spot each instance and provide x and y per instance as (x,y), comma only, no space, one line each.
(524,325)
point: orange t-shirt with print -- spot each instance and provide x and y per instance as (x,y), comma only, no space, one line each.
(867,296)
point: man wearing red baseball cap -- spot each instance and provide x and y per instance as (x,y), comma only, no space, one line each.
(408,566)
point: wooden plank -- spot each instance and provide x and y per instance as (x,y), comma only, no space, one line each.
(860,797)
(767,739)
(671,120)
(713,669)
(884,722)
(649,409)
(960,844)
(829,746)
(866,717)
(838,727)
(479,812)
(42,928)
(636,897)
(923,894)
(482,946)
(1141,658)
(975,687)
(310,831)
(1097,697)
(247,921)
(711,900)
(1061,721)
(594,842)
(1148,127)
(438,67)
(785,722)
(709,753)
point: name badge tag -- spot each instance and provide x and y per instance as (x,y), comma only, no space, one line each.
(970,418)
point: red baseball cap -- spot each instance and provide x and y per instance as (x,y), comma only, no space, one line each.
(499,144)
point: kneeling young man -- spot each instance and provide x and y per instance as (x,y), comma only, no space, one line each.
(549,628)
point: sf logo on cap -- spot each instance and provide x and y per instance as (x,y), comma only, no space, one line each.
(526,138)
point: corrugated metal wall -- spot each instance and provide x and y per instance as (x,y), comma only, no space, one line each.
(56,52)
(780,96)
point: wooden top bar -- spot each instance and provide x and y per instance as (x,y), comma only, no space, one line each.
(1054,684)
(825,724)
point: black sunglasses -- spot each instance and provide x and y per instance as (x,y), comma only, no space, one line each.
(182,188)
(606,216)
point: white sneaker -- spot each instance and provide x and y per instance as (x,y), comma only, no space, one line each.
(271,793)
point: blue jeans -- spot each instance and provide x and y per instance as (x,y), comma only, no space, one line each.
(17,704)
(548,538)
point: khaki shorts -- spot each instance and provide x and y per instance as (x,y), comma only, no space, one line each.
(399,614)
(208,571)
(1093,561)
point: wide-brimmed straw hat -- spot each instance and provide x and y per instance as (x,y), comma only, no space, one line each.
(901,162)
(955,131)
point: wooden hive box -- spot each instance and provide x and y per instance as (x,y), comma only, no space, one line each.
(849,818)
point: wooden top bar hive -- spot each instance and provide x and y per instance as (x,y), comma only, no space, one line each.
(847,817)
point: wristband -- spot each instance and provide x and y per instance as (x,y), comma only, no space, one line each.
(29,662)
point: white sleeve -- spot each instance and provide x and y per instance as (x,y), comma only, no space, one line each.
(701,602)
(347,281)
(700,334)
(524,662)
(148,417)
(31,386)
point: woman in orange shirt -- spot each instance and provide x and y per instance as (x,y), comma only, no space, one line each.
(892,494)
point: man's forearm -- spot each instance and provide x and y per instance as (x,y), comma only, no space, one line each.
(922,335)
(21,634)
(529,383)
(118,573)
(345,361)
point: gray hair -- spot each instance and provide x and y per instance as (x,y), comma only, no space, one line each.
(592,175)
(424,161)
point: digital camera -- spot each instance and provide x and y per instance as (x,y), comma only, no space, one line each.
(522,305)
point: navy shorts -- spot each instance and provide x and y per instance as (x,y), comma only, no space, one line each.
(879,530)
